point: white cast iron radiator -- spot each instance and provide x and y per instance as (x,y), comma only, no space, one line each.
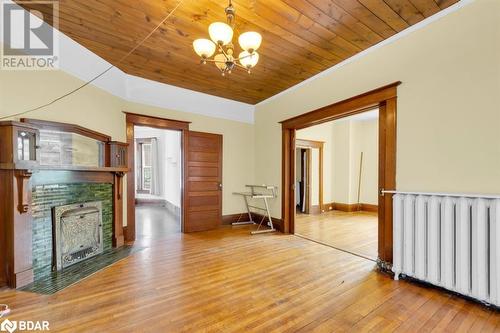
(451,242)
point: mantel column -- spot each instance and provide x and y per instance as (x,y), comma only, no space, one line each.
(16,228)
(118,238)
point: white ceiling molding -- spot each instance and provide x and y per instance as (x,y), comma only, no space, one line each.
(369,50)
(84,64)
(162,95)
(80,62)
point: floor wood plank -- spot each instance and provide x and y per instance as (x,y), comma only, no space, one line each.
(355,232)
(230,281)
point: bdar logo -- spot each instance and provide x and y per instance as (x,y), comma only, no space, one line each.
(8,326)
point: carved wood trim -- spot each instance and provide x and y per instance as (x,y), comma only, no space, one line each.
(118,182)
(347,107)
(157,122)
(23,190)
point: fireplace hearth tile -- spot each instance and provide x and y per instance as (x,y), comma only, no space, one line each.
(60,280)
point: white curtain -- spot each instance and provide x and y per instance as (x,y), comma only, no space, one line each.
(155,168)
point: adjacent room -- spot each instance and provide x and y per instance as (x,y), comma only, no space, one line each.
(250,166)
(158,173)
(337,181)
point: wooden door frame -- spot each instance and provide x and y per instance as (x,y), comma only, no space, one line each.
(134,119)
(385,98)
(305,178)
(312,144)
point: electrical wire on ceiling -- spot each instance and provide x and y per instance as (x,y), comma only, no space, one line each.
(100,74)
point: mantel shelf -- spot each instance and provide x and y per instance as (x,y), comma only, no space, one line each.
(10,166)
(81,168)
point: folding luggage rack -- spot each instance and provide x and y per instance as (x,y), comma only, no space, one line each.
(259,192)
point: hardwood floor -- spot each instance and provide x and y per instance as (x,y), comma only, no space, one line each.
(354,232)
(155,222)
(229,281)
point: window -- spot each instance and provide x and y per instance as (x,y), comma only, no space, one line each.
(144,165)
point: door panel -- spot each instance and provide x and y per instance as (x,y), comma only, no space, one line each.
(204,157)
(203,172)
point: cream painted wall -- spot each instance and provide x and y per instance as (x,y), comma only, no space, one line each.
(364,138)
(100,111)
(344,140)
(448,125)
(341,150)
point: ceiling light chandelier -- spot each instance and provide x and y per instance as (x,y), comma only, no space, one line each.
(221,35)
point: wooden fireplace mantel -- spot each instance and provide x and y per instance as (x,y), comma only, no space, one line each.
(18,176)
(10,166)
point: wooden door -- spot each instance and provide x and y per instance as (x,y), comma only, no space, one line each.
(203,172)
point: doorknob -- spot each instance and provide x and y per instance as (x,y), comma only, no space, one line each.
(220,186)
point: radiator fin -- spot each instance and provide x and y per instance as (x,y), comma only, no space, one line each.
(495,252)
(452,242)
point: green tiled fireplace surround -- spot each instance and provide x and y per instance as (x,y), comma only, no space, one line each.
(45,197)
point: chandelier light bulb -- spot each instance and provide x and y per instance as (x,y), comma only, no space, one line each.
(205,48)
(221,33)
(220,50)
(248,60)
(250,41)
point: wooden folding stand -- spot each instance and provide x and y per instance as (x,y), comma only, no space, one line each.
(261,192)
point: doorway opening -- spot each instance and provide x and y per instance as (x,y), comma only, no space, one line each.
(158,181)
(337,181)
(383,98)
(155,181)
(309,175)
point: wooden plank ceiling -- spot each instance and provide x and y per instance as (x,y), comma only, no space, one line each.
(300,37)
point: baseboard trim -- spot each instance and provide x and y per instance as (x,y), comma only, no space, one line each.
(343,207)
(231,218)
(315,210)
(154,202)
(176,210)
(369,208)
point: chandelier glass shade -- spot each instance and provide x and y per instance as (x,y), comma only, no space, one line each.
(248,60)
(221,35)
(205,48)
(250,41)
